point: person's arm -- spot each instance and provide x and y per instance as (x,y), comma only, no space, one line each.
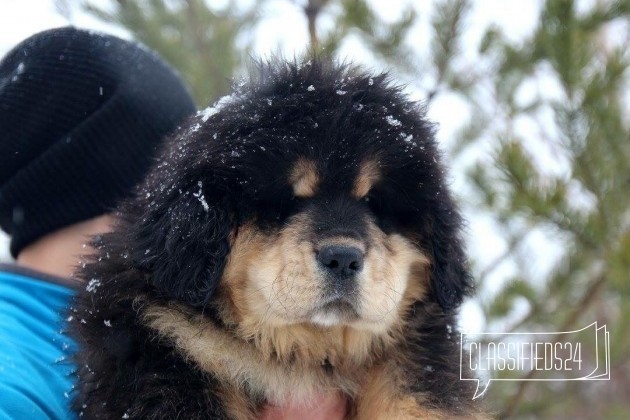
(35,372)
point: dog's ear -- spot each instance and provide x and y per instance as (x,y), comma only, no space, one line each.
(450,277)
(183,242)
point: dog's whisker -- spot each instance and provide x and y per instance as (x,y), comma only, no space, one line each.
(391,297)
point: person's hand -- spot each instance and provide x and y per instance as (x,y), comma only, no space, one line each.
(325,407)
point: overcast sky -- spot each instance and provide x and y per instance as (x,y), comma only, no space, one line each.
(283,25)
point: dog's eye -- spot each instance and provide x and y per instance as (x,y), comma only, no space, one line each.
(373,203)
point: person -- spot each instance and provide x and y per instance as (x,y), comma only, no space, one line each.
(82,116)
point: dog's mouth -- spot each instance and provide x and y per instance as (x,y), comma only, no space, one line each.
(334,309)
(337,305)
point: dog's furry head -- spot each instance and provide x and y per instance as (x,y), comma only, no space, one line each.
(303,221)
(302,161)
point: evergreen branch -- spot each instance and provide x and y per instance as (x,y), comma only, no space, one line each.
(587,299)
(447,28)
(197,29)
(312,10)
(513,244)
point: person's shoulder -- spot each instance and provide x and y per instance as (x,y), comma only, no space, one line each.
(35,278)
(34,352)
(39,292)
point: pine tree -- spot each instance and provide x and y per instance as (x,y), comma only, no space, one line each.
(568,181)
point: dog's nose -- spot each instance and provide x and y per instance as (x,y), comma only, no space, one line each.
(341,261)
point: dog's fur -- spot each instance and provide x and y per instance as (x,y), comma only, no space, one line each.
(208,301)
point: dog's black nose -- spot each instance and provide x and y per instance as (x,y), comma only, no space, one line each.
(341,261)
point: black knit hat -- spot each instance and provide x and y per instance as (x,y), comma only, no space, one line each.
(81,117)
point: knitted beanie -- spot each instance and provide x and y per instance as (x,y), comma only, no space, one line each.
(82,115)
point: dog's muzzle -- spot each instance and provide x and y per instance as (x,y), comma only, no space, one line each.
(340,265)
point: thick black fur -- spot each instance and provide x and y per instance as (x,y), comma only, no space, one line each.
(168,247)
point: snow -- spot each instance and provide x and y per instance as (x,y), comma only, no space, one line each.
(392,121)
(406,138)
(92,285)
(207,113)
(310,88)
(201,197)
(18,71)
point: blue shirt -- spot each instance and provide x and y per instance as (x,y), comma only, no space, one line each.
(35,373)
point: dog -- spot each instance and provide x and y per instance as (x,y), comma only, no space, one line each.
(295,239)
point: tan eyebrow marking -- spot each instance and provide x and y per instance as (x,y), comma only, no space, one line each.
(304,178)
(369,174)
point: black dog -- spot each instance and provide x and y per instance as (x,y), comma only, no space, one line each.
(297,239)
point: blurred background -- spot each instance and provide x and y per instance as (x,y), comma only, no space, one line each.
(532,101)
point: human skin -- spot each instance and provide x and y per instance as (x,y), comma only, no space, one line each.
(325,407)
(58,253)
